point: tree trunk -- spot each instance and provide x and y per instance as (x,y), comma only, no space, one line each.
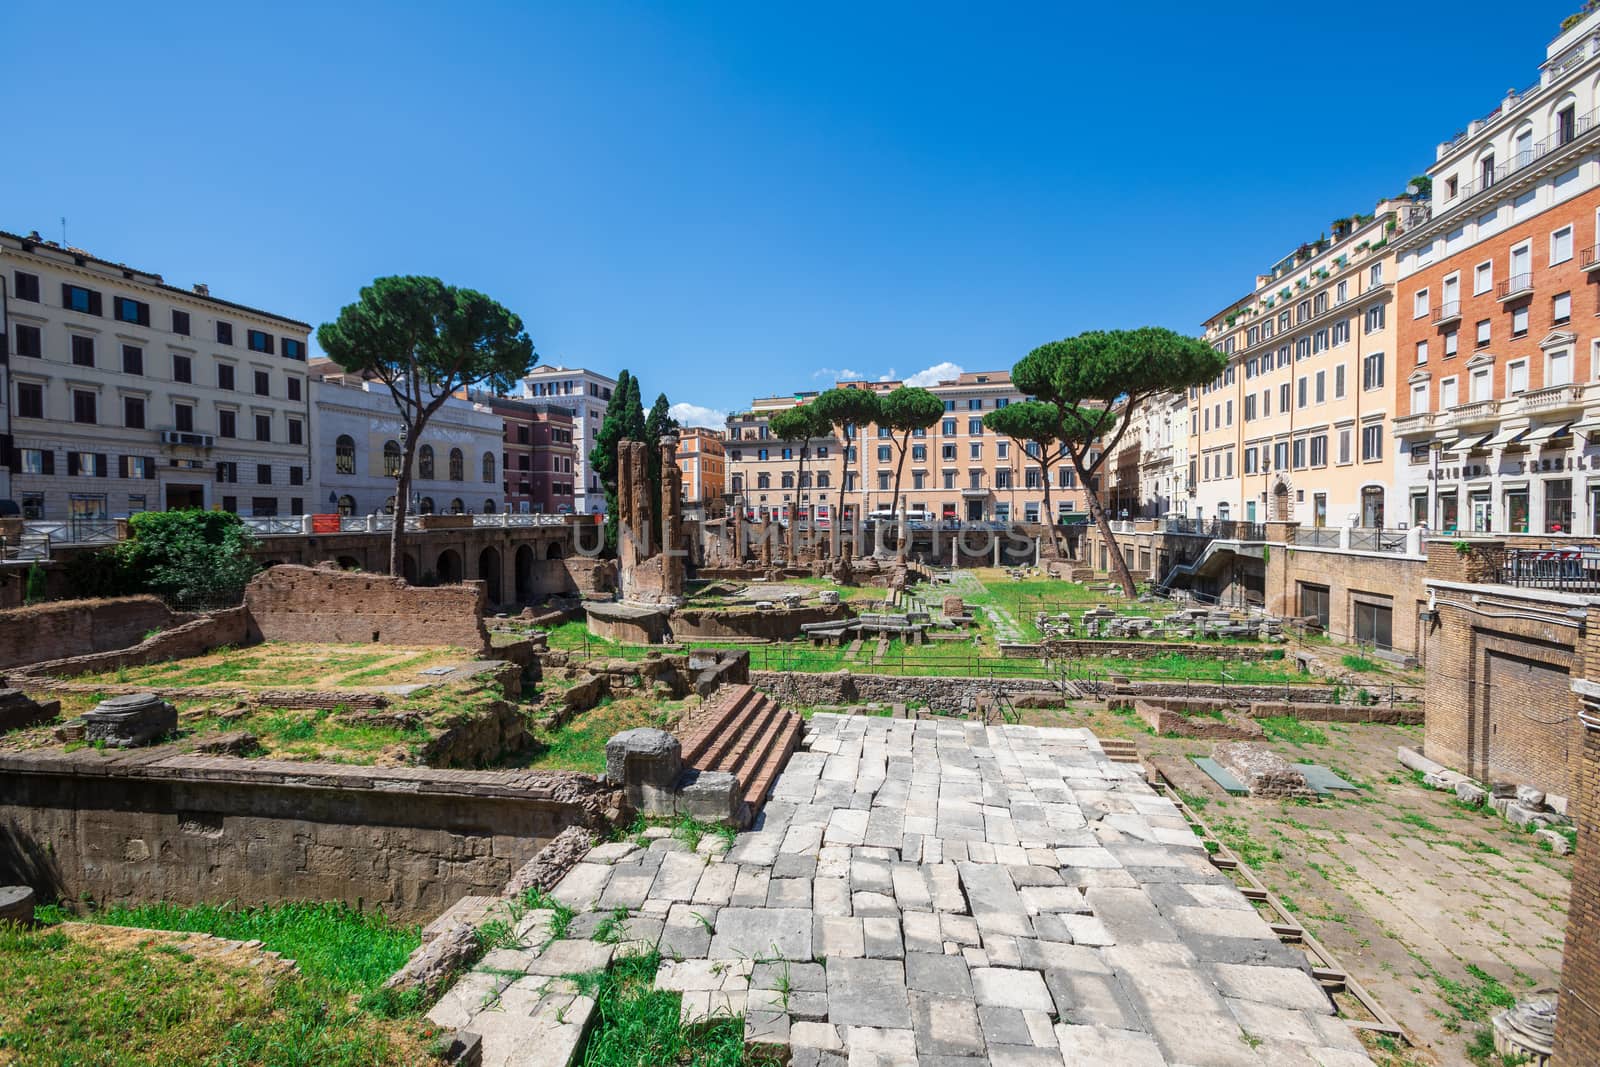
(402,497)
(1049,516)
(794,512)
(894,501)
(1119,565)
(844,481)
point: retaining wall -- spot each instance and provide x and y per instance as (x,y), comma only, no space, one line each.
(329,606)
(138,827)
(68,628)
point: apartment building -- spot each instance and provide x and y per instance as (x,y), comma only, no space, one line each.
(359,450)
(586,393)
(1298,423)
(703,461)
(1148,473)
(127,394)
(538,459)
(1500,405)
(957,470)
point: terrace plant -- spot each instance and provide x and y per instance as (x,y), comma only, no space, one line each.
(425,341)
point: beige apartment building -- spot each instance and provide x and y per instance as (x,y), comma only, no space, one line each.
(1147,475)
(127,394)
(957,470)
(1298,425)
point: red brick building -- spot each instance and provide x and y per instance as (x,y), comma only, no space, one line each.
(1499,413)
(538,455)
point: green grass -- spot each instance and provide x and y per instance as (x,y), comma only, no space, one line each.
(1355,662)
(353,951)
(580,745)
(1293,731)
(293,733)
(133,1001)
(636,1025)
(1411,818)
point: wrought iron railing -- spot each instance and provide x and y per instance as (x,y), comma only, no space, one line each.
(1574,570)
(1317,536)
(273,525)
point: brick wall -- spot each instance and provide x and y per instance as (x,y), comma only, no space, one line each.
(198,636)
(321,604)
(1351,579)
(1578,1014)
(77,627)
(137,827)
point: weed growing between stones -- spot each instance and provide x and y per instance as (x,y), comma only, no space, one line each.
(1293,731)
(637,1025)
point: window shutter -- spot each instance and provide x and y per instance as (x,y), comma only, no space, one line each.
(66,295)
(49,457)
(94,303)
(72,464)
(122,466)
(150,470)
(99,464)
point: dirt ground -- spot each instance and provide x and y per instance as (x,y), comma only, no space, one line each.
(1442,912)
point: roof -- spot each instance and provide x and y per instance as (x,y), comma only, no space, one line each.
(145,277)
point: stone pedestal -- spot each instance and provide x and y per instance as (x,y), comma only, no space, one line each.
(130,720)
(16,905)
(18,710)
(646,763)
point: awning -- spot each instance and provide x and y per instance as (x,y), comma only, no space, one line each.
(1469,443)
(1588,427)
(1544,433)
(1504,437)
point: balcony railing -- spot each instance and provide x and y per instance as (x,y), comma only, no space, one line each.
(1415,422)
(1571,570)
(1449,311)
(1363,540)
(72,531)
(1317,536)
(1589,258)
(1518,285)
(1552,398)
(1581,126)
(1477,411)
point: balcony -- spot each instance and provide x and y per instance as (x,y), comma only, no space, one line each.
(1552,399)
(1448,312)
(1420,422)
(1590,259)
(1515,288)
(1476,413)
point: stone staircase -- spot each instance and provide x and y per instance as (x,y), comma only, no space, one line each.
(747,734)
(1119,750)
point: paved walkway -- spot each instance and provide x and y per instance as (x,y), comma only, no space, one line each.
(943,893)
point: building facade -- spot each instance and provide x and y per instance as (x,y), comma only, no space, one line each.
(586,393)
(1147,474)
(126,394)
(538,457)
(957,470)
(703,461)
(1500,407)
(359,450)
(1297,426)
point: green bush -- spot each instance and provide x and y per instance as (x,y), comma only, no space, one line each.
(33,592)
(190,559)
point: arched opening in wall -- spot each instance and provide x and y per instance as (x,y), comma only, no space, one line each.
(554,551)
(489,572)
(489,507)
(408,567)
(1372,506)
(344,454)
(425,507)
(458,507)
(448,567)
(347,505)
(458,465)
(425,463)
(524,565)
(349,563)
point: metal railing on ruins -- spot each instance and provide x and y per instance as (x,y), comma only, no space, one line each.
(1567,569)
(1219,529)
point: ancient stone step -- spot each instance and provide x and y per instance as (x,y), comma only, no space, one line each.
(747,735)
(730,703)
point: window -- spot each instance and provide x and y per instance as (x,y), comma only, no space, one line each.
(29,341)
(183,417)
(1422,352)
(30,400)
(1300,393)
(263,427)
(132,359)
(1558,369)
(1338,382)
(1249,407)
(948,428)
(133,412)
(975,450)
(263,383)
(1372,442)
(1419,304)
(296,432)
(82,351)
(263,505)
(1372,371)
(1449,394)
(1302,348)
(1319,450)
(86,464)
(974,427)
(1483,333)
(1481,384)
(1561,309)
(1482,278)
(85,405)
(182,369)
(1374,623)
(1320,393)
(1341,292)
(225,372)
(1280,454)
(134,311)
(344,455)
(1344,446)
(1517,377)
(293,349)
(1283,398)
(259,341)
(224,333)
(77,298)
(26,287)
(180,323)
(1419,397)
(1375,275)
(1300,453)
(883,453)
(263,474)
(391,458)
(1374,319)
(1519,321)
(425,462)
(1561,245)
(227,423)
(488,468)
(292,385)
(1452,343)
(38,461)
(458,466)
(1341,332)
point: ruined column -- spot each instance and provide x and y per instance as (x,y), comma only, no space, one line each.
(672,543)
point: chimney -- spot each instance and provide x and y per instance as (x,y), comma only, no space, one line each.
(202,288)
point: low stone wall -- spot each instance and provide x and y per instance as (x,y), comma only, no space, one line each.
(138,827)
(1396,715)
(1177,717)
(196,637)
(777,624)
(329,606)
(69,628)
(1233,692)
(842,687)
(1142,650)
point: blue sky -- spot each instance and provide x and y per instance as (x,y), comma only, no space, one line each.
(735,200)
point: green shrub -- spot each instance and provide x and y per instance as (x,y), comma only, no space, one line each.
(33,591)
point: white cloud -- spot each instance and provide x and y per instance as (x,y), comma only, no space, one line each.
(887,377)
(935,374)
(695,415)
(845,375)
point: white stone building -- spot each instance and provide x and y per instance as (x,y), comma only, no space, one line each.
(126,394)
(587,393)
(358,450)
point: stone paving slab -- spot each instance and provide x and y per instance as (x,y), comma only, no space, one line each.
(939,892)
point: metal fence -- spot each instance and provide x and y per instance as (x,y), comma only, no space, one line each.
(1572,570)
